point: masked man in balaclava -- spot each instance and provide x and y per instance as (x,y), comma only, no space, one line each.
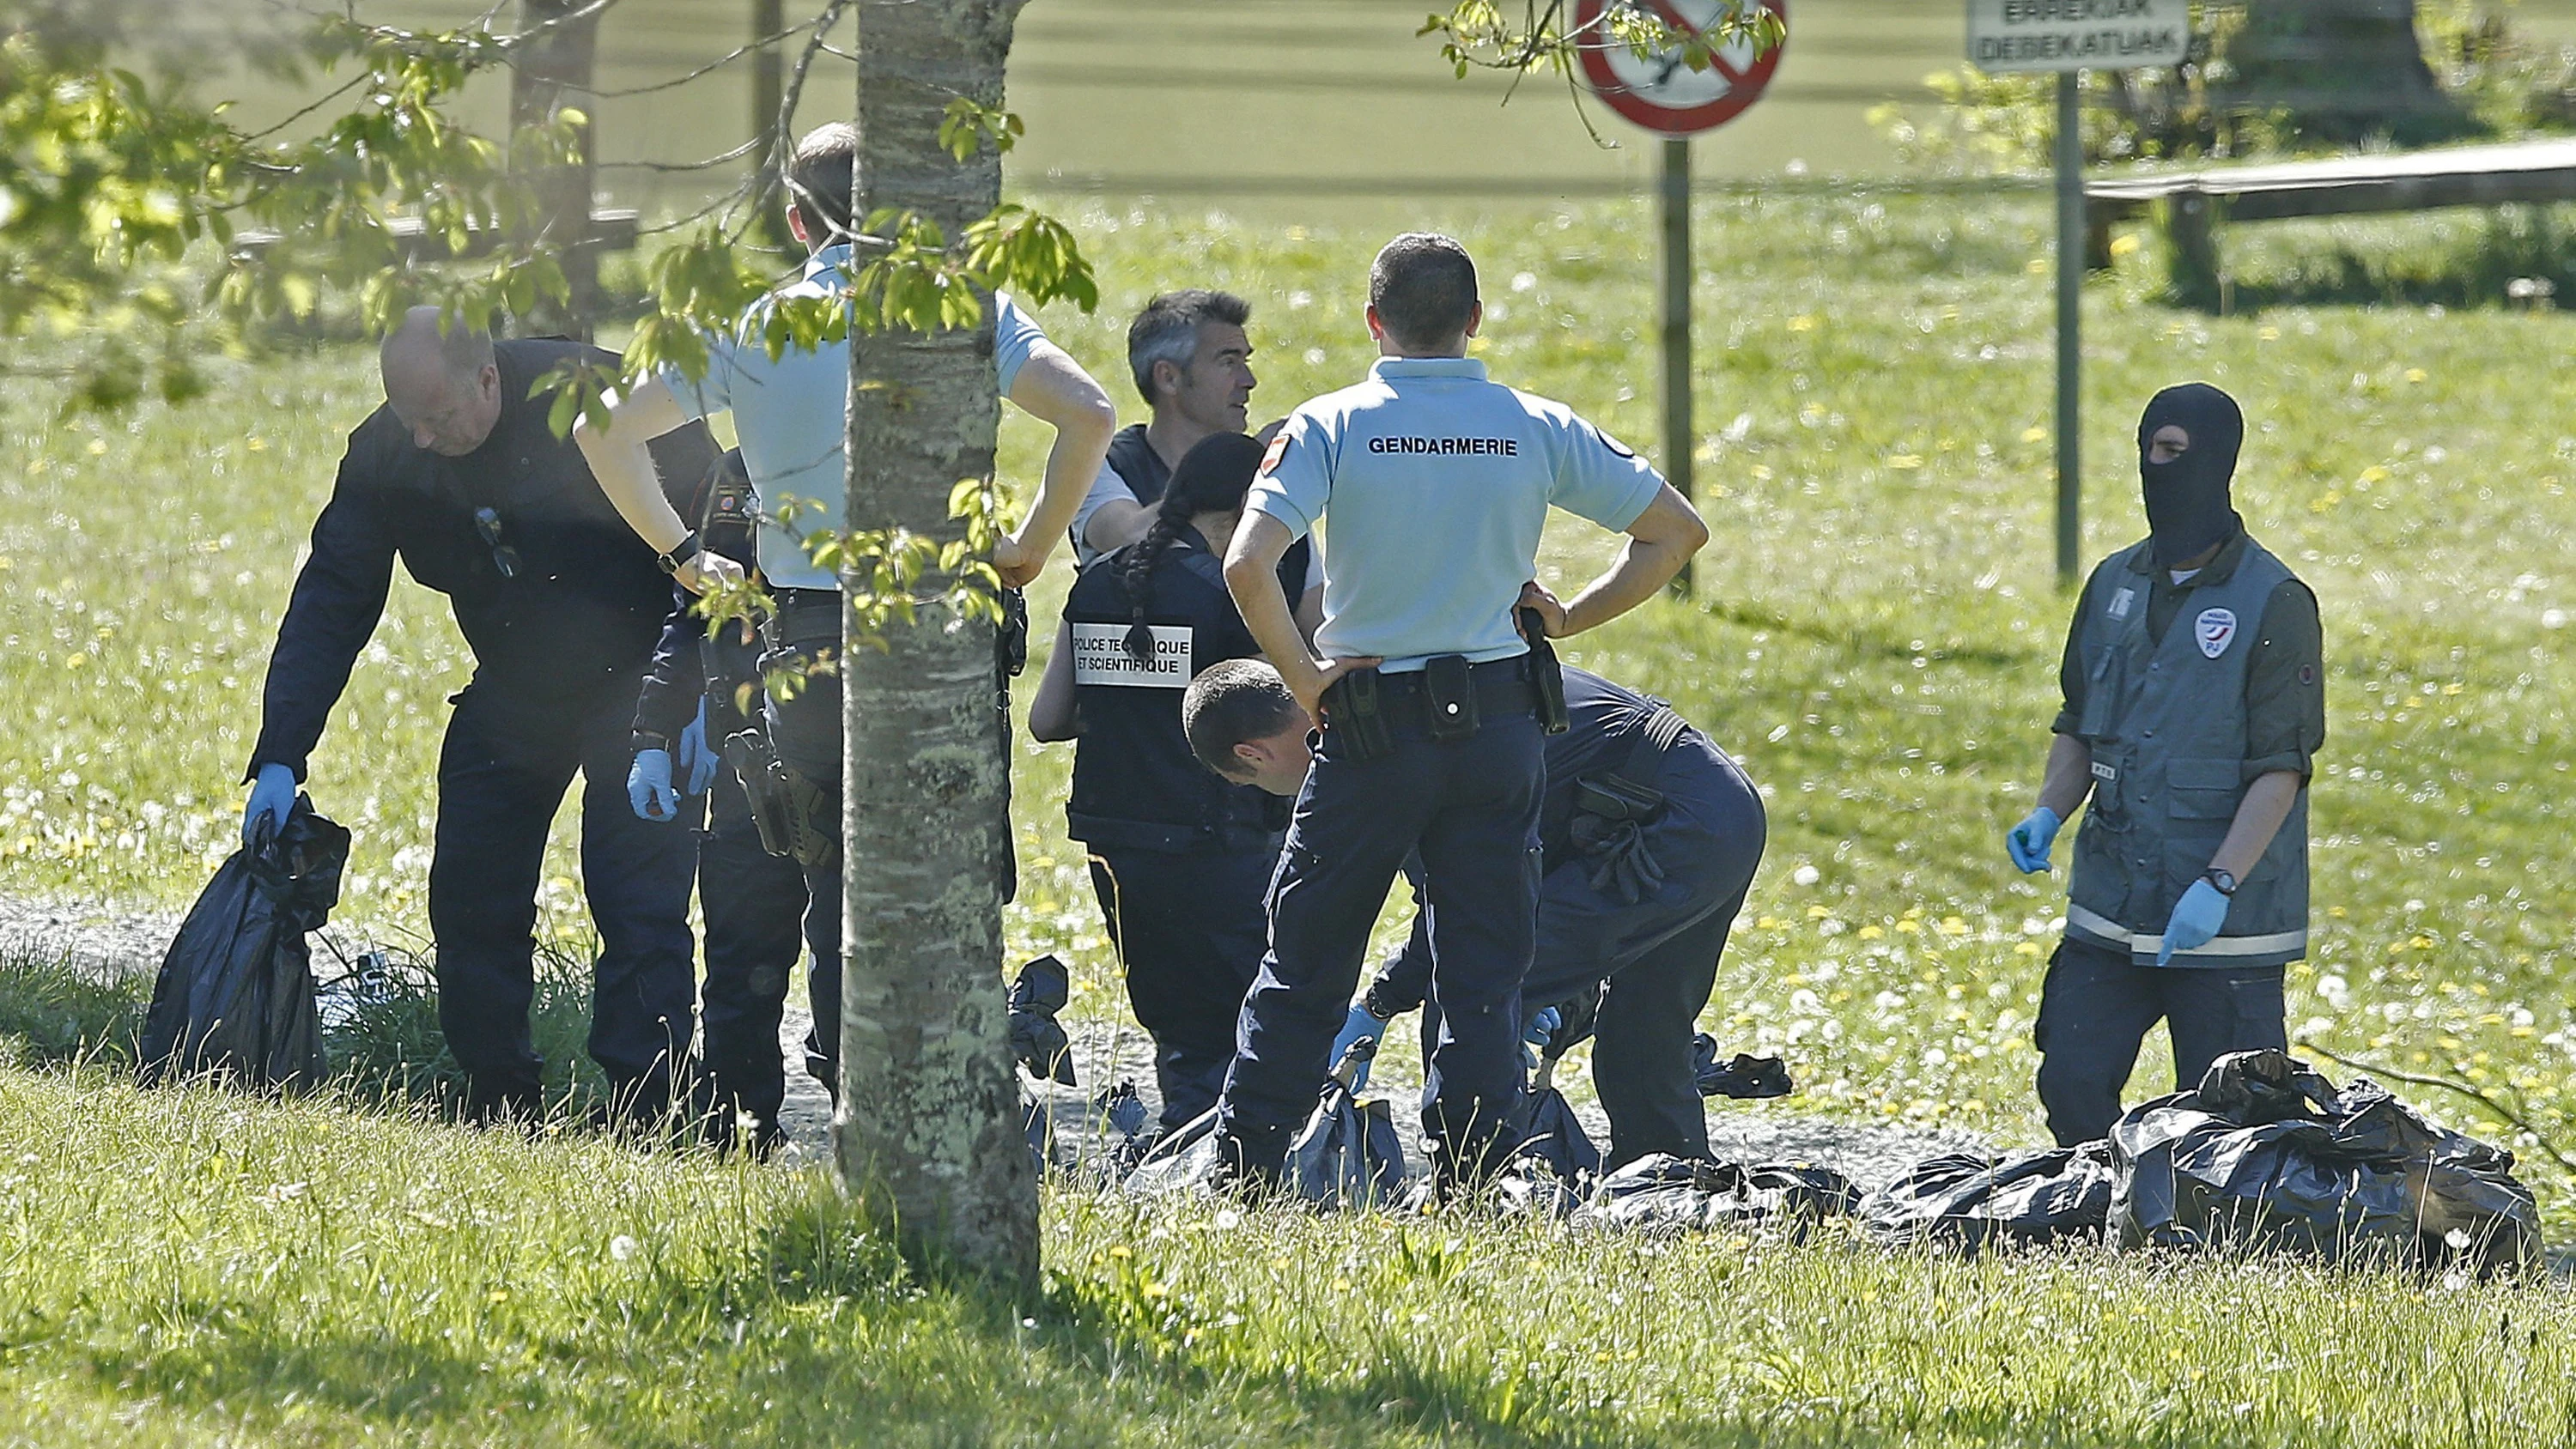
(2194,703)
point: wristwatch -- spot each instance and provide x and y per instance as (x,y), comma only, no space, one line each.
(2224,881)
(683,551)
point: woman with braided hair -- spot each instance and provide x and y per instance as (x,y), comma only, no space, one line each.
(1180,858)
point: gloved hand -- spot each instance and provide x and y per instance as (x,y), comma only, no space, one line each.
(272,798)
(693,759)
(1535,1032)
(1359,1024)
(648,786)
(2028,842)
(1615,857)
(2196,918)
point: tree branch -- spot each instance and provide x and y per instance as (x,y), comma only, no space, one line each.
(709,68)
(2475,1094)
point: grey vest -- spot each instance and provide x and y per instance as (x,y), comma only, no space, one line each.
(2166,723)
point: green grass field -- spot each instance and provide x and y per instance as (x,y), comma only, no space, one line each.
(1875,634)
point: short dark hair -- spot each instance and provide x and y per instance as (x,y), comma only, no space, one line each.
(1168,330)
(1234,701)
(1424,289)
(823,179)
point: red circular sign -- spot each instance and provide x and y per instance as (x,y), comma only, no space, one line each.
(1661,93)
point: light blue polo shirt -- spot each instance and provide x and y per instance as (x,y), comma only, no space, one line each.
(792,415)
(1431,485)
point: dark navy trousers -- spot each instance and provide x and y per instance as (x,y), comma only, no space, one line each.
(1653,961)
(806,730)
(754,904)
(1190,927)
(2096,1008)
(1470,808)
(502,771)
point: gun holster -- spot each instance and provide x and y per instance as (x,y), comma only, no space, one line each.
(1615,797)
(1546,674)
(785,806)
(1355,711)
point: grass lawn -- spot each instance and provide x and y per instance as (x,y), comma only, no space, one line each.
(186,1268)
(1875,634)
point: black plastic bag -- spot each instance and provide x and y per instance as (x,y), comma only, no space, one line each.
(1548,1134)
(1967,1201)
(2266,1152)
(1663,1193)
(1347,1154)
(1745,1078)
(1038,1040)
(235,993)
(1182,1158)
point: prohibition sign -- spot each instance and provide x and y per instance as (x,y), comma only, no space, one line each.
(1661,92)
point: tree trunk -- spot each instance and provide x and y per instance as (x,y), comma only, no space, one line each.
(768,93)
(2343,69)
(928,1129)
(552,72)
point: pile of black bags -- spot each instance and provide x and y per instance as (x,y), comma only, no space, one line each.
(2264,1154)
(1965,1201)
(1666,1194)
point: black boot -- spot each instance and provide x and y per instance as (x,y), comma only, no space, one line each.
(504,1100)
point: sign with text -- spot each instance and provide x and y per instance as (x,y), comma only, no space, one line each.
(2006,35)
(1100,657)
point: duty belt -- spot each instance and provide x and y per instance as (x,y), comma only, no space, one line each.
(1502,689)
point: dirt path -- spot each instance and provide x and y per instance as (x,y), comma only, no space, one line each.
(112,942)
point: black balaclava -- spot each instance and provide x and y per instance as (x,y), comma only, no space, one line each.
(2187,499)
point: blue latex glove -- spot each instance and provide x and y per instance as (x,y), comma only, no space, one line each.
(272,798)
(2028,842)
(694,759)
(1357,1025)
(1534,1034)
(2196,918)
(648,786)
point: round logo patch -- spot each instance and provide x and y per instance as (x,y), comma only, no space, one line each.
(2216,629)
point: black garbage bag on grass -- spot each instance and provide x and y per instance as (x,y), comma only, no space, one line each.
(1968,1201)
(1038,1040)
(1745,1077)
(1347,1154)
(1663,1193)
(235,993)
(2266,1152)
(1545,1131)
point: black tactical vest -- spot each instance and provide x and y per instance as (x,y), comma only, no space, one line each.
(1136,786)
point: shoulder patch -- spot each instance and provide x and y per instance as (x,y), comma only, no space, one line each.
(1613,444)
(2215,629)
(1278,450)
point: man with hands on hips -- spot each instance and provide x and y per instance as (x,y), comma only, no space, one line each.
(2194,705)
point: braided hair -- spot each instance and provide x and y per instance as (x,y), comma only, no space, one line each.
(1212,477)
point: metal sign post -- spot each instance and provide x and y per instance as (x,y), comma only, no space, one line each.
(2009,35)
(2070,340)
(1663,94)
(1680,430)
